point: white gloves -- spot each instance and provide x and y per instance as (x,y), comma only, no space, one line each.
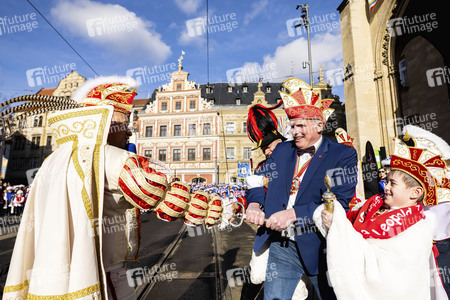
(254,181)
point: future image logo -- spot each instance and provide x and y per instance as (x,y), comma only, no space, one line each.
(152,74)
(252,73)
(199,26)
(48,75)
(318,23)
(438,76)
(21,23)
(238,276)
(111,24)
(411,25)
(235,75)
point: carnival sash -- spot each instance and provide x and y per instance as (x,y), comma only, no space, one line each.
(372,223)
(297,178)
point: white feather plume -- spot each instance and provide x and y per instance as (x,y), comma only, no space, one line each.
(417,132)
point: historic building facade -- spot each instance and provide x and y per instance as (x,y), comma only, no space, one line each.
(32,140)
(180,129)
(396,69)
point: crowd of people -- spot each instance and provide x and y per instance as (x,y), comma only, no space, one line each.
(222,189)
(13,199)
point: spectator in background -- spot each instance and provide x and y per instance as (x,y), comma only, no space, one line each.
(382,180)
(19,201)
(8,198)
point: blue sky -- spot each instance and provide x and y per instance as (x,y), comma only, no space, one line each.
(145,38)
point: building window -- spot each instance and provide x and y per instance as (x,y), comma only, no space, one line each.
(244,127)
(176,155)
(212,100)
(38,121)
(49,141)
(162,154)
(191,154)
(178,86)
(178,105)
(206,153)
(163,130)
(148,131)
(230,152)
(402,72)
(230,128)
(238,101)
(268,89)
(209,90)
(230,89)
(192,129)
(176,130)
(245,89)
(206,128)
(247,152)
(148,153)
(192,104)
(163,106)
(35,142)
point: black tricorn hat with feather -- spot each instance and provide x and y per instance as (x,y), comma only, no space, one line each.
(262,125)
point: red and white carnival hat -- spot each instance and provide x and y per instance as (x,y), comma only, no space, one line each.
(300,102)
(108,90)
(425,161)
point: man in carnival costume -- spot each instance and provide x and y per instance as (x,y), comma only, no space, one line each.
(296,184)
(262,129)
(383,249)
(66,246)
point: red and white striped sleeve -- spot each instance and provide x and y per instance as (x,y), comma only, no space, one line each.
(141,185)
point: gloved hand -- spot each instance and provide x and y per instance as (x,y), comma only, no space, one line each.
(254,181)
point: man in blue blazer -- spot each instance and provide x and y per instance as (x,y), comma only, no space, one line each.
(296,171)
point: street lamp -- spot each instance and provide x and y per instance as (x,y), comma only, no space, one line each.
(305,17)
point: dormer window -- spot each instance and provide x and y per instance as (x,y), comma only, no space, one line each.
(283,89)
(230,89)
(209,90)
(211,100)
(268,89)
(245,89)
(238,101)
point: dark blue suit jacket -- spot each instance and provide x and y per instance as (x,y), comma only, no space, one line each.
(330,157)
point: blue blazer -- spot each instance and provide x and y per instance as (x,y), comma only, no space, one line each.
(336,160)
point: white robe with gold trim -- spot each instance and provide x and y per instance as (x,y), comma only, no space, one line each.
(55,251)
(390,269)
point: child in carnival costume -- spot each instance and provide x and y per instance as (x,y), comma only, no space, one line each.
(384,249)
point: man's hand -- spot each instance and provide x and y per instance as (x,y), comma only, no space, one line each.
(327,218)
(281,220)
(254,214)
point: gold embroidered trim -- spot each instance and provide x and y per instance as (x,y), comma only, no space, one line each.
(74,295)
(15,288)
(73,114)
(69,138)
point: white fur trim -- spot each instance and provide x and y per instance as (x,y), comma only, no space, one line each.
(417,132)
(81,93)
